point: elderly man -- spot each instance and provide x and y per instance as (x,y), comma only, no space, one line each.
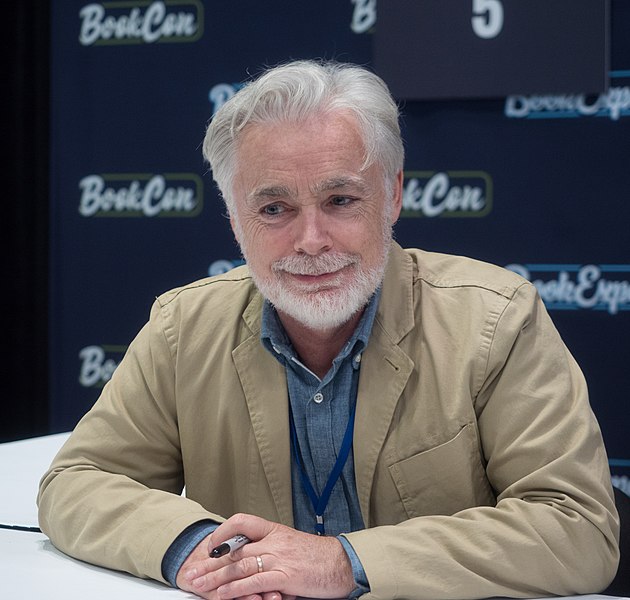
(375,420)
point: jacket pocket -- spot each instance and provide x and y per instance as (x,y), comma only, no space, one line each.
(445,479)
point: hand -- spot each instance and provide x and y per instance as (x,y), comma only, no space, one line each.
(199,556)
(294,564)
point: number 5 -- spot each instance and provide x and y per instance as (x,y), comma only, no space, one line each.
(487,20)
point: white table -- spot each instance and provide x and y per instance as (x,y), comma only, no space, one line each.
(31,567)
(22,464)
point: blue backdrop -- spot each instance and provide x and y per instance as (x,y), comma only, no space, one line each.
(539,183)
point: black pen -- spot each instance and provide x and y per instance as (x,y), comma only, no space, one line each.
(230,545)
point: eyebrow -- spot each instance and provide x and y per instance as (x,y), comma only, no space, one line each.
(327,185)
(344,181)
(272,191)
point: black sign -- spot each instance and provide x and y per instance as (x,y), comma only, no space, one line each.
(491,48)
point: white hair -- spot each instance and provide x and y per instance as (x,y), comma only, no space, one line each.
(297,91)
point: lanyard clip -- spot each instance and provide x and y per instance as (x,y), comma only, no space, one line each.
(319,526)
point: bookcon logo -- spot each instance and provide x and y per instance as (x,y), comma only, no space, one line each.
(446,194)
(141,195)
(115,23)
(221,93)
(98,363)
(363,15)
(579,287)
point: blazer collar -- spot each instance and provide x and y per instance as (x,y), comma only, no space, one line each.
(396,312)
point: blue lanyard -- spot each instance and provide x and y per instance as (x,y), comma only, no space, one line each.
(320,502)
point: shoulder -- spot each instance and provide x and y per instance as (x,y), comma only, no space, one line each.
(220,300)
(449,292)
(447,271)
(234,283)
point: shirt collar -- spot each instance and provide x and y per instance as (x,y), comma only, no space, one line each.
(275,339)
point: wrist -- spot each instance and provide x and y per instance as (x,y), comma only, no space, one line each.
(182,547)
(361,585)
(348,585)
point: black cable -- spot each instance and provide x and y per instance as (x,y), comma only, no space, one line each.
(20,528)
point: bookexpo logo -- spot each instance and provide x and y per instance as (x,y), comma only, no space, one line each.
(223,265)
(139,22)
(579,287)
(98,363)
(446,194)
(141,195)
(612,104)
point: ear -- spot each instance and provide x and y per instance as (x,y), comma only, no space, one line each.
(397,197)
(234,228)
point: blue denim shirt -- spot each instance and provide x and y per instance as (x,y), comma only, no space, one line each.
(321,408)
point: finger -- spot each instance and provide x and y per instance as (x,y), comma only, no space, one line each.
(255,528)
(202,567)
(234,571)
(197,563)
(267,596)
(276,596)
(259,584)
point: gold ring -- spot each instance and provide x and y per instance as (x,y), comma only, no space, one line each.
(260,564)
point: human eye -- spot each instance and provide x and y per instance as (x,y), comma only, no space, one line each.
(272,210)
(341,200)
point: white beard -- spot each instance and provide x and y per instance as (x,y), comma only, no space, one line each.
(326,305)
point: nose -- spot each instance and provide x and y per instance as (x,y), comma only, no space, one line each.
(311,233)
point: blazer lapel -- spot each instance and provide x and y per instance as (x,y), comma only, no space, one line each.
(385,369)
(264,385)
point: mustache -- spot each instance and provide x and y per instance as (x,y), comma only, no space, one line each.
(302,264)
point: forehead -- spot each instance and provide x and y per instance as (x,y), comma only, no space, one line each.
(325,142)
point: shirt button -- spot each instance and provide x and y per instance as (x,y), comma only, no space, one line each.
(357,358)
(318,398)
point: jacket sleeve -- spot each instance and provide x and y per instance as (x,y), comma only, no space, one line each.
(554,527)
(112,494)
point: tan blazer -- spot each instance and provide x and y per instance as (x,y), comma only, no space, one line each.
(480,467)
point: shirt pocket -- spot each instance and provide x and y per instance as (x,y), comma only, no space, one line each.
(444,479)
